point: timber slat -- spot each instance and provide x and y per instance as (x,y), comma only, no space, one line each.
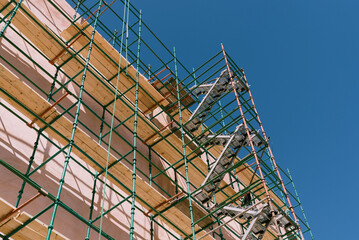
(34,230)
(146,193)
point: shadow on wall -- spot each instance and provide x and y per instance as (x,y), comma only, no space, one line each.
(72,196)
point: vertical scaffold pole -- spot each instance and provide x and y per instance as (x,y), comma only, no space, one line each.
(184,146)
(74,126)
(39,132)
(150,178)
(150,168)
(112,118)
(272,157)
(97,175)
(208,164)
(251,143)
(91,206)
(28,168)
(49,96)
(7,23)
(79,2)
(281,192)
(135,131)
(300,204)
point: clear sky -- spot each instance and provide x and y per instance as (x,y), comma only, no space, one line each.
(301,59)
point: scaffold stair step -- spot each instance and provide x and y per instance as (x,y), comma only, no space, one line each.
(212,92)
(259,219)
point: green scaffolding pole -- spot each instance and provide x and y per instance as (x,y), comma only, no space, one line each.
(71,143)
(301,206)
(184,147)
(112,122)
(28,168)
(135,136)
(7,23)
(91,206)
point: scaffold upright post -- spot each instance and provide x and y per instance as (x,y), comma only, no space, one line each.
(71,143)
(252,145)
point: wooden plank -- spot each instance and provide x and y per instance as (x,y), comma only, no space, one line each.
(5,208)
(19,90)
(169,89)
(34,230)
(25,233)
(45,41)
(105,59)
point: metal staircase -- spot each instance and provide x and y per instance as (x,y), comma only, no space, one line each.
(212,92)
(232,144)
(258,215)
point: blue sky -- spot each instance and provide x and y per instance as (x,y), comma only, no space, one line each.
(301,59)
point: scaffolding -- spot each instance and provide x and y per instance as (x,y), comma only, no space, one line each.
(184,148)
